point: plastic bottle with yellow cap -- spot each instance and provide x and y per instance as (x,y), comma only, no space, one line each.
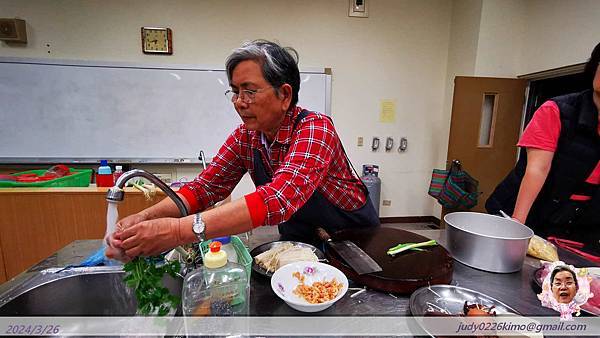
(218,288)
(215,257)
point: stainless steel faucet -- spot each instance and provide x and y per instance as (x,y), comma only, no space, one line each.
(117,194)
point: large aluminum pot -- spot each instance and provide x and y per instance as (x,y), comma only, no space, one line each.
(487,242)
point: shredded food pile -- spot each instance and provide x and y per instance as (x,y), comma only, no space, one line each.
(318,292)
(282,254)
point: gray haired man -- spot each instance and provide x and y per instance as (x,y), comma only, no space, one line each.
(303,177)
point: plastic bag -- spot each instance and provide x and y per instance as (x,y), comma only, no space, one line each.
(57,171)
(542,249)
(454,188)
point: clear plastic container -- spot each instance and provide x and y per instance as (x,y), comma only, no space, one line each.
(219,288)
(228,247)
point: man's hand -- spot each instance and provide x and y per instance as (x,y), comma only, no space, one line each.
(115,249)
(150,238)
(130,220)
(116,253)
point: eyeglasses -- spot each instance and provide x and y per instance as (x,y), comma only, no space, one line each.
(567,284)
(247,95)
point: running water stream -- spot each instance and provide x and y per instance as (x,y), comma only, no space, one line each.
(112,215)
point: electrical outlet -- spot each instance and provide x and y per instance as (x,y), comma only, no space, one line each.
(386,203)
(389,143)
(403,144)
(360,141)
(358,8)
(375,144)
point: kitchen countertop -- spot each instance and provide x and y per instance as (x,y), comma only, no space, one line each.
(517,290)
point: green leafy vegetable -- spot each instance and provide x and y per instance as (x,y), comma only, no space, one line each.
(144,275)
(410,246)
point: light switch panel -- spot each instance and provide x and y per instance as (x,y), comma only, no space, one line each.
(13,30)
(358,8)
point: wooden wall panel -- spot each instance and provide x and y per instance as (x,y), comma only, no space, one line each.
(2,268)
(35,224)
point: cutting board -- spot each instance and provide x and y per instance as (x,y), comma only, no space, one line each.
(403,273)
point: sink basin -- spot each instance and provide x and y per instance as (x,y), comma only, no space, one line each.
(98,291)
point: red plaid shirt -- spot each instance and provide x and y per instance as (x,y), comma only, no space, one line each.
(303,160)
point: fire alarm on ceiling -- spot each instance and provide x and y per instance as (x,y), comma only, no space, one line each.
(13,30)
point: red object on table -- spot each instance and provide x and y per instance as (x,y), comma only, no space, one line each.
(595,289)
(27,178)
(104,180)
(54,172)
(58,170)
(573,247)
(7,178)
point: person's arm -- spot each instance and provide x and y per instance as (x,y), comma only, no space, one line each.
(538,166)
(540,138)
(211,185)
(292,185)
(152,237)
(164,208)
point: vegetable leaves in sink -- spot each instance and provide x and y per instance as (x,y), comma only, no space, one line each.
(144,275)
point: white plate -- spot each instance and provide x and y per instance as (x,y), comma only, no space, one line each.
(283,283)
(594,271)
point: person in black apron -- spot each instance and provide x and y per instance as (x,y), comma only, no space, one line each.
(567,202)
(318,211)
(264,84)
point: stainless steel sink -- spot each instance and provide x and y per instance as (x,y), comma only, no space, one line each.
(96,291)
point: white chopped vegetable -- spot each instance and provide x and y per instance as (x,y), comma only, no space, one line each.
(282,254)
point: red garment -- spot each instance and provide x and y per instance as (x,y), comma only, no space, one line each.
(302,161)
(257,208)
(543,132)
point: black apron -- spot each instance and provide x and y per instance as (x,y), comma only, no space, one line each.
(318,211)
(578,151)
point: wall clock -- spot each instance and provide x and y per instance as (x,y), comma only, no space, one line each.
(157,40)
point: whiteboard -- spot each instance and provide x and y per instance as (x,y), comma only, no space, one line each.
(81,111)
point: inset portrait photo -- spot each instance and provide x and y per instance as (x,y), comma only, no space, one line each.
(564,284)
(565,289)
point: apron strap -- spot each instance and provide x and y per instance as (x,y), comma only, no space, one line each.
(305,113)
